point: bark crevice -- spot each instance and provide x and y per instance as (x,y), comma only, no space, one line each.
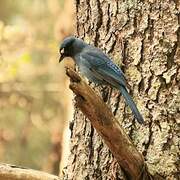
(108,127)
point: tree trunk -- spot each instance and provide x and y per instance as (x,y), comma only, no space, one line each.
(142,38)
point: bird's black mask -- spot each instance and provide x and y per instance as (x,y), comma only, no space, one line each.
(62,54)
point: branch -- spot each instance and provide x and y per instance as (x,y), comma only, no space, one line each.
(103,120)
(12,172)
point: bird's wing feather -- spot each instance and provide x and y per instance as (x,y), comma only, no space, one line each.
(104,68)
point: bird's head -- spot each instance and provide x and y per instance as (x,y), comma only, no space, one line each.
(66,48)
(70,47)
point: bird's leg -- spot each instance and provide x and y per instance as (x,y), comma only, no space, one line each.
(103,89)
(106,93)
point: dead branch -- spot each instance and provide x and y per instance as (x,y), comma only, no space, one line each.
(12,172)
(103,120)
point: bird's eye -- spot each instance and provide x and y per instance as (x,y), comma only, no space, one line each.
(62,51)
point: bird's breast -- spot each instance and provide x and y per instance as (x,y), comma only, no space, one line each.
(85,70)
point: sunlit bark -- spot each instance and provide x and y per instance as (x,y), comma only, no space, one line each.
(142,38)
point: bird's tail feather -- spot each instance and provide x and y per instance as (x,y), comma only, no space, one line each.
(131,104)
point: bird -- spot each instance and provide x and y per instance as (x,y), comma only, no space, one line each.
(94,64)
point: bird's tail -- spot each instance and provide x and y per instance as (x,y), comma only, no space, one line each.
(131,104)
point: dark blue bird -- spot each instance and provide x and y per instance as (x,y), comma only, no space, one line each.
(97,67)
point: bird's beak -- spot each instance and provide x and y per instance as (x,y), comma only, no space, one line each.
(62,55)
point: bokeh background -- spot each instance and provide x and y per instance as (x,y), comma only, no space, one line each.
(35,102)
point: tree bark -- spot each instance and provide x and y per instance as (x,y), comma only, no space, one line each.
(108,127)
(142,38)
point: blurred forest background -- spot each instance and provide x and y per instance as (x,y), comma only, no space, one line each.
(35,101)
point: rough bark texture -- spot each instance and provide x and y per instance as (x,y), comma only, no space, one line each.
(142,38)
(108,127)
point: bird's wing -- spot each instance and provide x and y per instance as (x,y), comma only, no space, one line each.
(104,68)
